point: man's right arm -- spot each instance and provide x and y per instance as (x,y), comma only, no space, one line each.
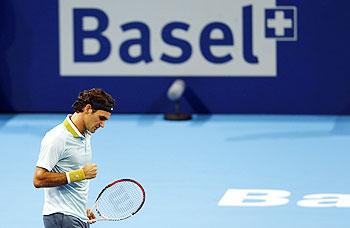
(44,178)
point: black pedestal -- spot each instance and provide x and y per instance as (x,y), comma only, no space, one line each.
(177,116)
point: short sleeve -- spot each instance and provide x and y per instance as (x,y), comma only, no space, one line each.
(51,150)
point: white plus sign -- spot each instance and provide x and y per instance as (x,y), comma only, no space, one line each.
(279,23)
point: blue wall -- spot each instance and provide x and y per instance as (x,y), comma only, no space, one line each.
(312,72)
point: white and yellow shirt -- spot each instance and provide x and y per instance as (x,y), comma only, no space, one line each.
(64,149)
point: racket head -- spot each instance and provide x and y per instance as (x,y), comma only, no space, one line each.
(120,200)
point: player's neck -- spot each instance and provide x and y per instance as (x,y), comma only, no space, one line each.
(78,121)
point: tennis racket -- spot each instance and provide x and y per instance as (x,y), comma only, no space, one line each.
(119,200)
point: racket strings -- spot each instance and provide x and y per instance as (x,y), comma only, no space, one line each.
(120,200)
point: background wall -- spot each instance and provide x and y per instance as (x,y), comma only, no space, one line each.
(312,73)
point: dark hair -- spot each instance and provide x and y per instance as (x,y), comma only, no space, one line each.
(97,98)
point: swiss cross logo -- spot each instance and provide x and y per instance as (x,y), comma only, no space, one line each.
(281,23)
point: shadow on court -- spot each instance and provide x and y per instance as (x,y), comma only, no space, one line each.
(4,118)
(341,126)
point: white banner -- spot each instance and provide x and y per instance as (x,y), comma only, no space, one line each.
(165,38)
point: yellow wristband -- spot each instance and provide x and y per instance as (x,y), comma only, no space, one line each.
(75,175)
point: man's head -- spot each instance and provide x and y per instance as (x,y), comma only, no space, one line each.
(95,107)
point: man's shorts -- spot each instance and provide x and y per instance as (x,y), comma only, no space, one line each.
(59,220)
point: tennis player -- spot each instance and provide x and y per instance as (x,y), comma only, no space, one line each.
(64,166)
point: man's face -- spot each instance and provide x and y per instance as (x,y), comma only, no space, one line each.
(95,120)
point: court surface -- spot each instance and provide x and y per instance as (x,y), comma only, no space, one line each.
(186,168)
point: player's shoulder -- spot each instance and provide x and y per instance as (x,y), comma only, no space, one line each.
(57,134)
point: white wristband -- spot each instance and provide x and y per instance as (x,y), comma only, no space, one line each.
(68,177)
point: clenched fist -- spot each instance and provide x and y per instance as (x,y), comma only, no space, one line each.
(90,170)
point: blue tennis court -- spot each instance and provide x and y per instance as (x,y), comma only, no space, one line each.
(187,167)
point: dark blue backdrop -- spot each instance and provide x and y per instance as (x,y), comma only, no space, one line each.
(313,74)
